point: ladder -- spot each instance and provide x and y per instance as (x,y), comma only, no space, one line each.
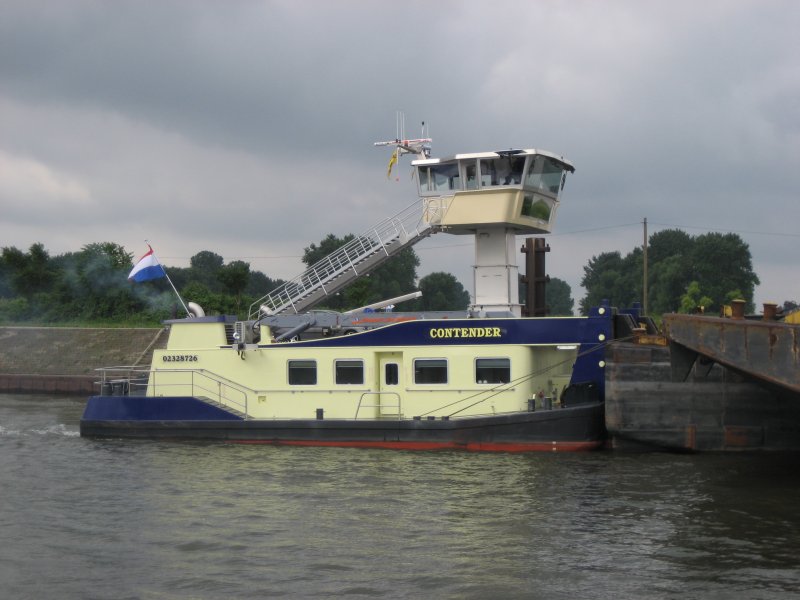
(356,258)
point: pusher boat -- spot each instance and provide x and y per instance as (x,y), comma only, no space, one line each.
(490,377)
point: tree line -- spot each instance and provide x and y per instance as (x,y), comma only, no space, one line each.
(91,285)
(685,274)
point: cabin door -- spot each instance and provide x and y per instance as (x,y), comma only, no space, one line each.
(390,383)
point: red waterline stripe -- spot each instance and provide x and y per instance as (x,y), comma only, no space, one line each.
(469,446)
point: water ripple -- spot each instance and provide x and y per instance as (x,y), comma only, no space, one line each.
(142,519)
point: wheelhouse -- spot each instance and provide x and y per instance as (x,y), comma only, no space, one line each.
(532,170)
(515,189)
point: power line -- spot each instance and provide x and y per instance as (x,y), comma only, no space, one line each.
(574,232)
(592,229)
(742,231)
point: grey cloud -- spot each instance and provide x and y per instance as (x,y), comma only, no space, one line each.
(199,112)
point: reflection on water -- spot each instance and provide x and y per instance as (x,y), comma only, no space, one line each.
(136,519)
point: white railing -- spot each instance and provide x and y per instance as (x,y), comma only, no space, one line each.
(198,383)
(388,237)
(380,404)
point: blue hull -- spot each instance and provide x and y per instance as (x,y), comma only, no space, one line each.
(580,427)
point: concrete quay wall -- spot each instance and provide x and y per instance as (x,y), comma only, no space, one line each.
(64,359)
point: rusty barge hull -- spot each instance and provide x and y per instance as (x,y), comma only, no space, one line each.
(765,351)
(731,391)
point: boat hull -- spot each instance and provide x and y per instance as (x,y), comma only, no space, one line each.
(564,429)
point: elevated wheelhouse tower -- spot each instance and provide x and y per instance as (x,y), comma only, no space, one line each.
(493,196)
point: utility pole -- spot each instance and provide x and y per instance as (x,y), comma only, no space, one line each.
(644,257)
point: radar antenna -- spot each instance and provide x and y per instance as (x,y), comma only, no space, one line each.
(420,146)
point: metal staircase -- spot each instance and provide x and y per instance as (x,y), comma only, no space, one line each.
(355,259)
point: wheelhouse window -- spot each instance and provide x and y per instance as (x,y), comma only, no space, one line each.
(430,370)
(302,372)
(492,370)
(423,177)
(349,371)
(471,174)
(506,170)
(545,174)
(536,209)
(443,177)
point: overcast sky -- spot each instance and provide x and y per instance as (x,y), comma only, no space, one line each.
(247,128)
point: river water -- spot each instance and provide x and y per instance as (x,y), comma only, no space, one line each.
(83,518)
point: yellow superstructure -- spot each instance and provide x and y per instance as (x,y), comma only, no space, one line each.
(296,380)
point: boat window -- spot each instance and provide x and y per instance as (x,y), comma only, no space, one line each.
(536,210)
(488,173)
(492,370)
(392,374)
(423,177)
(544,174)
(302,372)
(430,370)
(349,371)
(506,170)
(445,177)
(471,175)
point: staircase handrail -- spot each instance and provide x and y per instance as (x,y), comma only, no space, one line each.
(408,223)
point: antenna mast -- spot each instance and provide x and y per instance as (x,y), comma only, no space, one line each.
(420,146)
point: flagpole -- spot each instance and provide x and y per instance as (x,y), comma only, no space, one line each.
(170,280)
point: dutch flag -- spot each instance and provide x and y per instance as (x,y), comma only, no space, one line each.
(147,268)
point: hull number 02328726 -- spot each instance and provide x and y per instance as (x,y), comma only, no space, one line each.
(179,358)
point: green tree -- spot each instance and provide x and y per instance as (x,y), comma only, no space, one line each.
(235,277)
(669,243)
(208,261)
(393,278)
(213,303)
(88,285)
(694,300)
(558,298)
(29,272)
(723,265)
(13,310)
(204,268)
(441,291)
(357,294)
(314,253)
(603,279)
(667,284)
(719,263)
(6,289)
(103,271)
(92,284)
(116,255)
(669,258)
(259,284)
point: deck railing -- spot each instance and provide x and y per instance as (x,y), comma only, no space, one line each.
(380,404)
(137,381)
